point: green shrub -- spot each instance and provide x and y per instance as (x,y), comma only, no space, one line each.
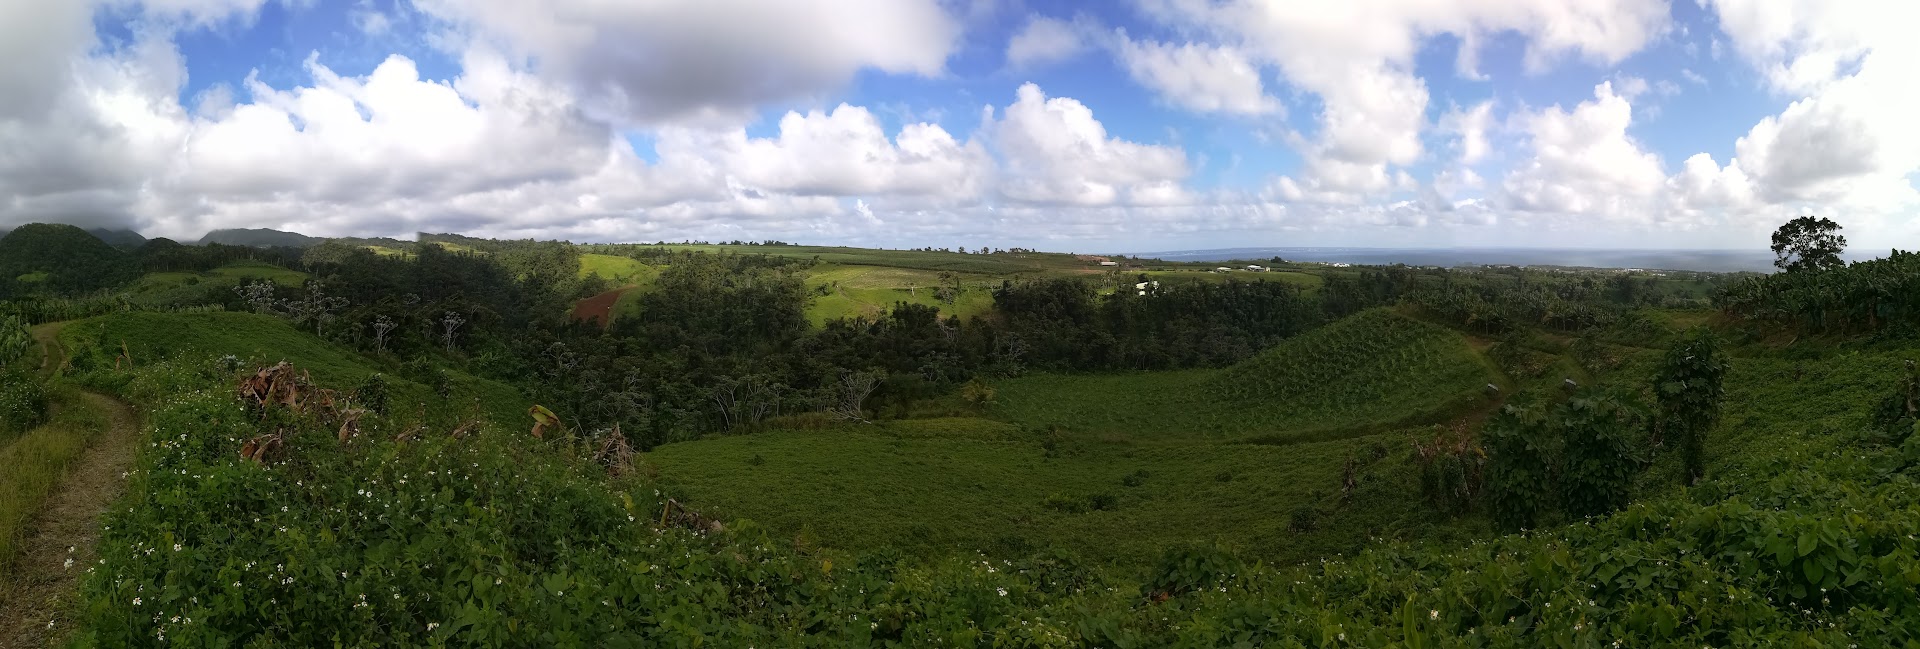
(1689,389)
(1599,453)
(1520,452)
(23,403)
(1188,568)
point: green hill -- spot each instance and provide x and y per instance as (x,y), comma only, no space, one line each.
(260,238)
(1372,371)
(262,340)
(123,239)
(61,259)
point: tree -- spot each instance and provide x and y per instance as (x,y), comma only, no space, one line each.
(1688,388)
(1808,243)
(382,325)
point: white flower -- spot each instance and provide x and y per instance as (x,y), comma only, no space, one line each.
(69,564)
(176,547)
(1003,591)
(136,601)
(1433,615)
(433,625)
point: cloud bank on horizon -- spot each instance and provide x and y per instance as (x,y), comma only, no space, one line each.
(1138,125)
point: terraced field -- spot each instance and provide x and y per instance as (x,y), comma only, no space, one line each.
(1376,370)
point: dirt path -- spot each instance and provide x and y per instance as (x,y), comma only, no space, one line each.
(52,354)
(41,587)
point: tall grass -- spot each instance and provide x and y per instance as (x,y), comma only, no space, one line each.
(36,461)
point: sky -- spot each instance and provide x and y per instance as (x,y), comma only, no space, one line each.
(1124,126)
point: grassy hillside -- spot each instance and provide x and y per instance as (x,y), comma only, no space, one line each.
(261,340)
(973,486)
(846,291)
(616,269)
(1372,371)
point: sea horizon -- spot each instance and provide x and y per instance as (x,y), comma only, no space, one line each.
(1699,260)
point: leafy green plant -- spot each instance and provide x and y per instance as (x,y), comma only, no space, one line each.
(1688,387)
(1520,451)
(1599,453)
(1187,568)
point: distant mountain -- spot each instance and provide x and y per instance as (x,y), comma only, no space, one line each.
(260,238)
(123,238)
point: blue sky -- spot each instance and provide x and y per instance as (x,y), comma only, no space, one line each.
(1138,125)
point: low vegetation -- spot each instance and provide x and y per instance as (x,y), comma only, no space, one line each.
(1371,372)
(766,444)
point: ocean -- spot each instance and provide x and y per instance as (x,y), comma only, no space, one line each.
(1696,260)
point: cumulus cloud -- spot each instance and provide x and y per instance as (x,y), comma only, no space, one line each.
(845,152)
(1850,137)
(1584,162)
(1044,40)
(1204,78)
(1357,57)
(1470,127)
(637,61)
(1055,152)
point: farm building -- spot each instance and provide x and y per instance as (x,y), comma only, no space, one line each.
(1223,269)
(1109,263)
(1256,268)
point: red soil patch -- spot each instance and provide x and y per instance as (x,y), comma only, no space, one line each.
(599,308)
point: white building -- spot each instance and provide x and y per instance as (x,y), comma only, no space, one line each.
(1109,263)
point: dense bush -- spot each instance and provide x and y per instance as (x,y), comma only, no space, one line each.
(23,403)
(1689,390)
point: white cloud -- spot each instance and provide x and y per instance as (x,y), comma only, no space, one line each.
(1584,162)
(1044,40)
(843,153)
(1055,152)
(1850,139)
(1203,78)
(1358,58)
(1470,126)
(714,61)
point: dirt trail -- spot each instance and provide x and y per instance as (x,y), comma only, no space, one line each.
(40,587)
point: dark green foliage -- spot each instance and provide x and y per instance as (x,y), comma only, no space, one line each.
(374,393)
(1862,296)
(1186,568)
(1688,388)
(15,340)
(59,260)
(1599,453)
(1452,470)
(23,403)
(1897,413)
(1136,478)
(1066,324)
(1577,458)
(1520,449)
(1808,244)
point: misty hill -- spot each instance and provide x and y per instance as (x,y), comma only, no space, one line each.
(260,238)
(123,238)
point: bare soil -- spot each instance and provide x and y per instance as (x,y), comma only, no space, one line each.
(39,591)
